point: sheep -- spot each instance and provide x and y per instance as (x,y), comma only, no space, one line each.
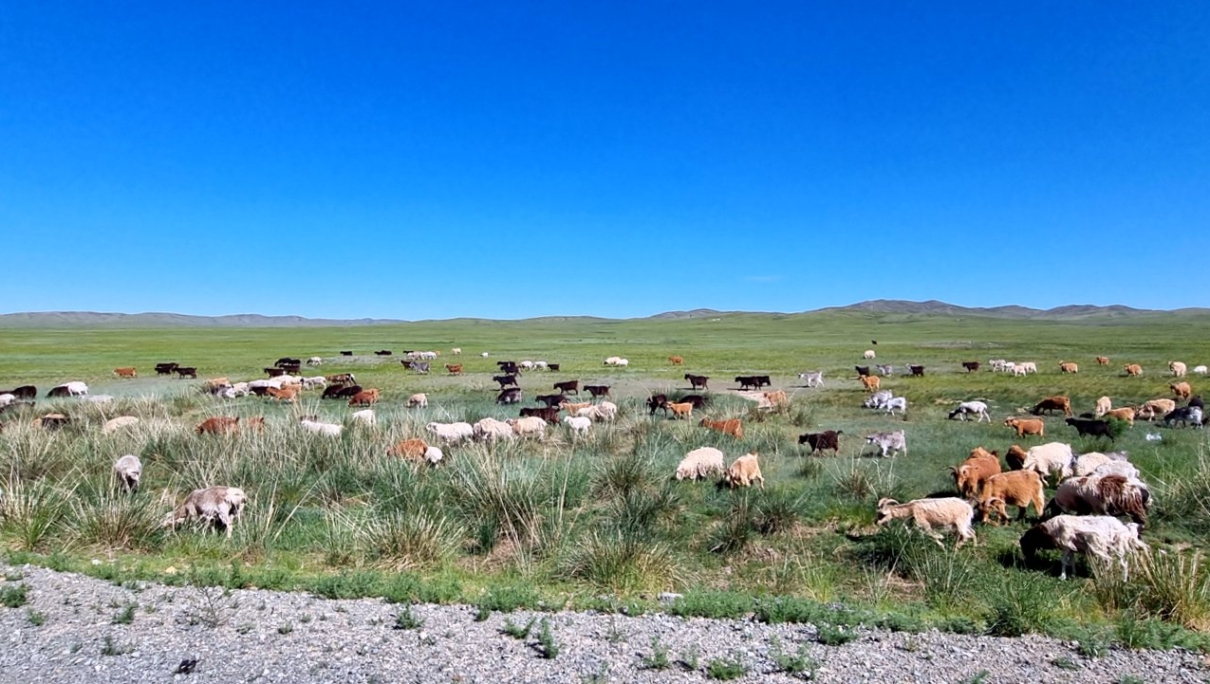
(1133,370)
(433,455)
(743,472)
(7,399)
(1019,371)
(364,417)
(1200,370)
(1177,368)
(1115,467)
(1044,459)
(69,389)
(895,403)
(1097,535)
(927,513)
(456,351)
(579,425)
(869,354)
(114,424)
(572,408)
(1026,426)
(1068,367)
(1103,495)
(1018,488)
(885,369)
(1182,390)
(529,426)
(1086,464)
(451,433)
(315,382)
(315,361)
(1029,366)
(1104,405)
(608,410)
(418,400)
(51,421)
(1155,408)
(325,429)
(492,430)
(220,506)
(129,470)
(870,382)
(700,464)
(970,475)
(975,408)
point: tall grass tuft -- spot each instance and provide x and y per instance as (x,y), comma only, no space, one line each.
(409,541)
(114,520)
(32,512)
(618,562)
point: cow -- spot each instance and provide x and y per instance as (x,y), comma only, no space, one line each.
(597,390)
(512,395)
(697,381)
(971,366)
(568,386)
(506,380)
(819,441)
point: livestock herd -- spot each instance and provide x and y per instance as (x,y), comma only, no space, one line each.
(1090,489)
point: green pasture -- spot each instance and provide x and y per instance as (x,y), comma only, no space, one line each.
(598,522)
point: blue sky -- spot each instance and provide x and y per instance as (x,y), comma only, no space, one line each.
(506,160)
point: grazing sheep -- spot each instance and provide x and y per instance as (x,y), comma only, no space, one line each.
(315,382)
(1068,367)
(364,417)
(419,400)
(1177,368)
(676,360)
(1200,370)
(529,426)
(869,354)
(1155,408)
(971,408)
(220,506)
(1103,495)
(69,389)
(451,433)
(326,429)
(1104,405)
(492,430)
(129,470)
(114,424)
(888,442)
(1019,370)
(700,464)
(949,512)
(1026,426)
(315,361)
(7,399)
(579,425)
(1018,488)
(743,472)
(970,475)
(1052,458)
(1097,535)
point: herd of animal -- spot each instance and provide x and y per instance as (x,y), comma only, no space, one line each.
(1090,489)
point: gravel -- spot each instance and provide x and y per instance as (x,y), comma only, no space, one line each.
(87,633)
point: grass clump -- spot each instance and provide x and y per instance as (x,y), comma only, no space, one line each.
(405,619)
(798,663)
(14,596)
(547,646)
(658,658)
(726,669)
(517,631)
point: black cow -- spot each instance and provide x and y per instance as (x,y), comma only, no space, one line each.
(597,390)
(697,381)
(512,395)
(550,399)
(917,371)
(828,439)
(970,366)
(862,371)
(1095,428)
(568,386)
(657,401)
(506,380)
(549,414)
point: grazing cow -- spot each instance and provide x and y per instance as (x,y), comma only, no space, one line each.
(1181,389)
(1093,427)
(1068,367)
(506,380)
(550,414)
(676,360)
(1133,370)
(218,425)
(1102,360)
(681,410)
(512,395)
(812,378)
(186,372)
(870,382)
(551,399)
(454,368)
(697,381)
(888,442)
(971,366)
(568,386)
(975,408)
(364,398)
(1055,403)
(657,401)
(1026,426)
(869,354)
(166,368)
(862,371)
(820,441)
(730,426)
(597,390)
(917,371)
(126,372)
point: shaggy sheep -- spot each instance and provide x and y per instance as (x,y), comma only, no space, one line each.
(364,417)
(129,470)
(579,425)
(1102,495)
(114,424)
(326,429)
(1097,535)
(743,472)
(220,506)
(700,464)
(949,512)
(451,433)
(492,430)
(1045,459)
(529,426)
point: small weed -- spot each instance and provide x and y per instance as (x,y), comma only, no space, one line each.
(549,648)
(831,635)
(615,635)
(245,628)
(110,648)
(800,663)
(517,632)
(690,658)
(1130,679)
(13,597)
(979,677)
(726,669)
(407,620)
(305,618)
(658,660)
(35,618)
(125,616)
(1065,663)
(285,629)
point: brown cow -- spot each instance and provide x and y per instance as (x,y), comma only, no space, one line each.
(127,372)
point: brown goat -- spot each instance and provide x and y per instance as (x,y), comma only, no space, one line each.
(1026,426)
(731,426)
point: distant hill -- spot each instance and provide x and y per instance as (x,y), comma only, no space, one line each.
(898,306)
(92,319)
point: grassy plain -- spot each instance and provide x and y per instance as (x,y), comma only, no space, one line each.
(597,522)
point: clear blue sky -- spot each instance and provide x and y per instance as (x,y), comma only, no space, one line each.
(513,159)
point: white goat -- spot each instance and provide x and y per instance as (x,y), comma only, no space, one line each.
(451,433)
(129,470)
(1101,536)
(927,513)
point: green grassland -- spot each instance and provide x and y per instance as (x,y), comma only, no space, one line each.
(598,522)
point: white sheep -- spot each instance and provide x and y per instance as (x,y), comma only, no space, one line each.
(433,455)
(1046,459)
(975,408)
(6,399)
(326,429)
(528,426)
(315,361)
(114,424)
(700,464)
(869,354)
(1200,370)
(927,513)
(578,424)
(364,417)
(129,470)
(456,351)
(1100,536)
(418,400)
(451,433)
(216,505)
(315,382)
(492,430)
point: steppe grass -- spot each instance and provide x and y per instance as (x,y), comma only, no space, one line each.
(597,522)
